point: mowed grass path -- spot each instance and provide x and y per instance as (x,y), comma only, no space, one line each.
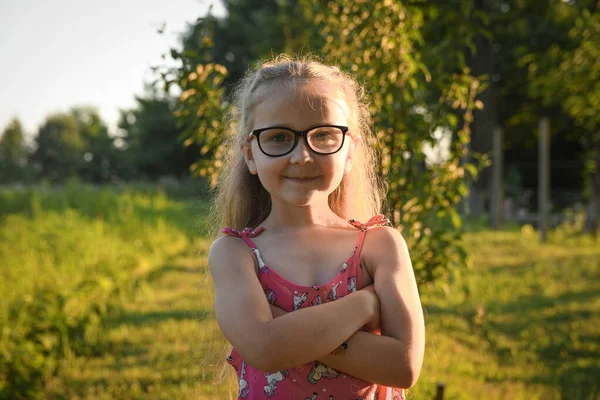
(523,322)
(164,345)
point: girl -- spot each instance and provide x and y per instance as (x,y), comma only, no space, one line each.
(317,305)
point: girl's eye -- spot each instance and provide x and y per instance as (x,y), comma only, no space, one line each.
(322,136)
(277,136)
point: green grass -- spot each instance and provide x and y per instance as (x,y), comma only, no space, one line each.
(523,322)
(70,258)
(163,345)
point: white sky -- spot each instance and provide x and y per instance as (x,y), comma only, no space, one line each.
(58,54)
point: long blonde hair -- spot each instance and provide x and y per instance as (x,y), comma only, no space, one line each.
(241,201)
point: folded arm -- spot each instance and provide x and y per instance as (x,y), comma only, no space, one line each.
(269,344)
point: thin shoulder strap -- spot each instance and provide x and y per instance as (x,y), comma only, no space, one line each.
(245,234)
(377,220)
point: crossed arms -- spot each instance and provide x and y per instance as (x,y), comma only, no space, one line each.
(270,339)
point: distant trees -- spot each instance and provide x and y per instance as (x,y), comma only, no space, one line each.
(513,48)
(75,143)
(98,163)
(567,76)
(152,138)
(60,147)
(78,143)
(13,153)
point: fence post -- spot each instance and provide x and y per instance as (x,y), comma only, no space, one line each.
(497,192)
(543,175)
(440,391)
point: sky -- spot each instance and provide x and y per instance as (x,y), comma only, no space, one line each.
(63,53)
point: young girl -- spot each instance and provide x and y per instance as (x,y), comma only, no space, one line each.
(316,304)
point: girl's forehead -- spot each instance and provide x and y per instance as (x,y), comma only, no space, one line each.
(302,106)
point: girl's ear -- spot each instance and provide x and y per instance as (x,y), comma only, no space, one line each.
(246,149)
(354,143)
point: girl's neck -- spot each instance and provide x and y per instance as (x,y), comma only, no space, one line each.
(296,217)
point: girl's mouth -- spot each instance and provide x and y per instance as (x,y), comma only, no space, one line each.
(302,179)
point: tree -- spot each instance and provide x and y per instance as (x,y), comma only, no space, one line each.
(153,138)
(13,153)
(60,148)
(233,41)
(76,143)
(569,76)
(98,164)
(384,42)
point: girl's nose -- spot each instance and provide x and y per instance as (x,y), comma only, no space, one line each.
(301,154)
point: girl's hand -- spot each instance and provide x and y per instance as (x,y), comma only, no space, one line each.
(374,325)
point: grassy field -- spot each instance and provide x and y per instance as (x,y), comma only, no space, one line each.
(523,322)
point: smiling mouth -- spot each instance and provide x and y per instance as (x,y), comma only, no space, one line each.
(302,179)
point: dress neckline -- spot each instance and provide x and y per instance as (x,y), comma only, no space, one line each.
(265,269)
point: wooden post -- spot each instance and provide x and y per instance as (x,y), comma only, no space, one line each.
(543,176)
(440,391)
(497,196)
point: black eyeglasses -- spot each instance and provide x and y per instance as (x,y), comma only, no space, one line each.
(277,141)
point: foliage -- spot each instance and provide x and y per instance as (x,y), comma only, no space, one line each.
(76,143)
(13,153)
(60,147)
(568,76)
(383,43)
(152,141)
(99,161)
(69,257)
(201,111)
(506,32)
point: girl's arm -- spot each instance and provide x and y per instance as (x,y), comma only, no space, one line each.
(268,344)
(395,358)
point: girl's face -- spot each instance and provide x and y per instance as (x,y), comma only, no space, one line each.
(301,177)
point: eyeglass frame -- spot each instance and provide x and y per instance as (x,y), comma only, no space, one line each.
(256,133)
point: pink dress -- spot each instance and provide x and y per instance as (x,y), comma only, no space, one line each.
(312,381)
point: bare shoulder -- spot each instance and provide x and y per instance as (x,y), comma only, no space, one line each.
(383,239)
(384,246)
(229,254)
(386,233)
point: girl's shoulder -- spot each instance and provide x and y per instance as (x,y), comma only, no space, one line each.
(228,250)
(380,241)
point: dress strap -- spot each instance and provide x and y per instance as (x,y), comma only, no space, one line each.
(245,234)
(377,220)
